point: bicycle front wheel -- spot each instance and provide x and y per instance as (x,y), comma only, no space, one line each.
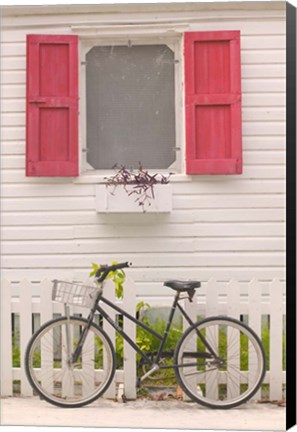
(53,375)
(220,362)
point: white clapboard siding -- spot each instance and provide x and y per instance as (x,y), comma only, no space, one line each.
(275,229)
(179,202)
(25,218)
(220,226)
(250,172)
(233,299)
(249,157)
(203,186)
(124,244)
(197,259)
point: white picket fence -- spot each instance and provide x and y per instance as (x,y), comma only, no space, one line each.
(255,301)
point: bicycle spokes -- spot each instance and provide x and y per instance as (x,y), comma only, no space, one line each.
(228,375)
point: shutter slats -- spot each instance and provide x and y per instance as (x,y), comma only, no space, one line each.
(52,105)
(213,103)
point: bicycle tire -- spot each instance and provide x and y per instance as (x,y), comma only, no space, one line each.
(229,383)
(56,380)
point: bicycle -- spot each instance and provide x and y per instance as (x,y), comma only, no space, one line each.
(70,361)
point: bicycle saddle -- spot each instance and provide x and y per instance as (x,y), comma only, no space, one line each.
(182,285)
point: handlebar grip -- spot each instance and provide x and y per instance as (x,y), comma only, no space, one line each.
(121,265)
(104,270)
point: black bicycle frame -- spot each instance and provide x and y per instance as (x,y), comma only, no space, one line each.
(162,339)
(139,323)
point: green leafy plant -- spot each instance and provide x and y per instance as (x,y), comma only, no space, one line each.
(16,353)
(117,276)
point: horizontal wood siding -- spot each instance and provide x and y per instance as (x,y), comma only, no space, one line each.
(220,227)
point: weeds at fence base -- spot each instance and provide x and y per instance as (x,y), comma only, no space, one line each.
(160,393)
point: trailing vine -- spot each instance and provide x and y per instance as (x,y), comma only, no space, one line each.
(138,183)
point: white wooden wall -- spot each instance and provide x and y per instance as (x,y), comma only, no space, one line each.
(221,226)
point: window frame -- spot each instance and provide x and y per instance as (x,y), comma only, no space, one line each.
(175,43)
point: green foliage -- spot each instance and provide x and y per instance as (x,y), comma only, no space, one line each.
(118,277)
(16,354)
(266,345)
(150,343)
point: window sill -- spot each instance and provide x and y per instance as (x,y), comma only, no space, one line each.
(96,178)
(111,199)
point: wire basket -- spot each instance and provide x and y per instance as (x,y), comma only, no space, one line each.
(75,294)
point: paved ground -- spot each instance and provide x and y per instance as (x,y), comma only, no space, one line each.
(169,414)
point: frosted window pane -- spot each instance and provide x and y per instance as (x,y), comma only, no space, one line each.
(130,106)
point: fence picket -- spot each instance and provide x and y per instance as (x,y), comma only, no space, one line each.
(192,310)
(233,310)
(211,381)
(276,337)
(6,342)
(26,330)
(109,293)
(255,317)
(233,299)
(129,304)
(46,304)
(211,298)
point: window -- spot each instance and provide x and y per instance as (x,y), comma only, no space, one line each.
(130,106)
(130,109)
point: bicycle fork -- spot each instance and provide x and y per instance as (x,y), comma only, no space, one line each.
(68,336)
(72,357)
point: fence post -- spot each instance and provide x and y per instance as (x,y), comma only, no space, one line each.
(6,342)
(191,309)
(276,339)
(46,304)
(129,353)
(109,293)
(211,307)
(211,298)
(233,299)
(233,308)
(255,319)
(25,330)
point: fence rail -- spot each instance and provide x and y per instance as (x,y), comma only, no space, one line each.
(26,305)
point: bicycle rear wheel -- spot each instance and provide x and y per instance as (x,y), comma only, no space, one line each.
(229,378)
(55,377)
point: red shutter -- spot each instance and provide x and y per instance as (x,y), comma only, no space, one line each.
(52,105)
(213,102)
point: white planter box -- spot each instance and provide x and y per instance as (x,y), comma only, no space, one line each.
(110,199)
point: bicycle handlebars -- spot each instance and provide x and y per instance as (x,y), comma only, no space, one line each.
(103,271)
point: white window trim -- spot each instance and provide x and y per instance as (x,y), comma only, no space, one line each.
(174,41)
